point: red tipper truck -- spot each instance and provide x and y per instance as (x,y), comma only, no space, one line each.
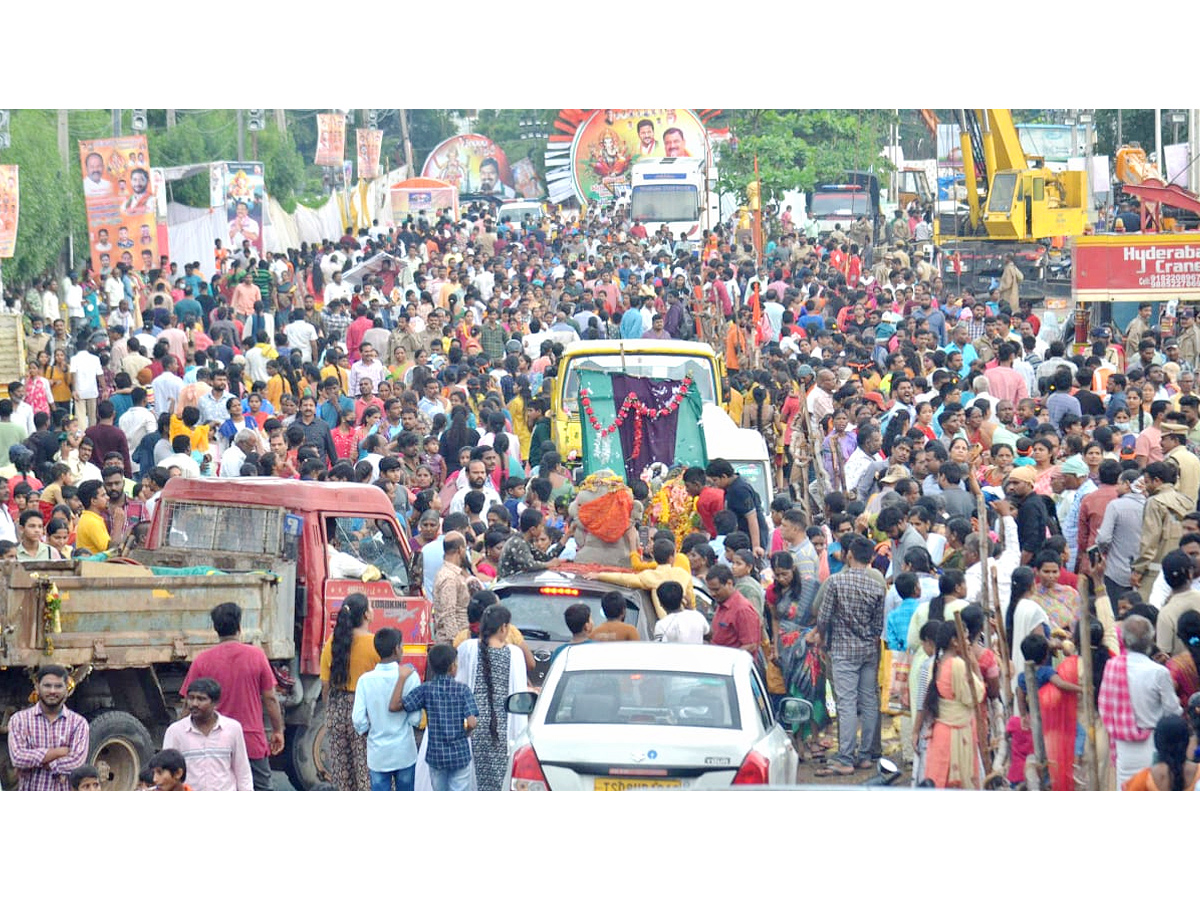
(129,629)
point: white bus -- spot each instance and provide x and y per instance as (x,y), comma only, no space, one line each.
(674,192)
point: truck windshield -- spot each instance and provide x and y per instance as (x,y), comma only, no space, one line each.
(374,541)
(236,529)
(840,203)
(641,365)
(665,203)
(1004,186)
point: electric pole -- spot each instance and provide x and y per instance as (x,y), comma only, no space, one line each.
(116,122)
(241,136)
(281,120)
(170,119)
(408,157)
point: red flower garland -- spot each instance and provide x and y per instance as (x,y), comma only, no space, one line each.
(639,409)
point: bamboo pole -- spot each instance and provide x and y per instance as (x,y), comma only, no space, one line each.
(1002,653)
(1035,724)
(1091,771)
(985,751)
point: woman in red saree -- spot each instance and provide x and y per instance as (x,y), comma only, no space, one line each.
(1185,667)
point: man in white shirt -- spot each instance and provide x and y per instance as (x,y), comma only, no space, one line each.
(137,421)
(1009,559)
(22,411)
(244,443)
(301,335)
(336,289)
(87,371)
(477,480)
(167,386)
(679,625)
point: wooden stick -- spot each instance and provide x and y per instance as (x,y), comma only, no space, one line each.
(985,557)
(1091,770)
(985,750)
(1002,653)
(1035,723)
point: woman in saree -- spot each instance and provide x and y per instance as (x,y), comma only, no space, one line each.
(1060,602)
(955,690)
(997,473)
(794,668)
(1185,665)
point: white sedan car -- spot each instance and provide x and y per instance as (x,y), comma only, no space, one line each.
(637,715)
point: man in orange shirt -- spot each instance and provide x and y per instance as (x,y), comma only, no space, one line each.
(245,295)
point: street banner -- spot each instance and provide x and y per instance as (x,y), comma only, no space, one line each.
(610,141)
(526,181)
(244,198)
(10,209)
(370,144)
(472,163)
(331,139)
(122,209)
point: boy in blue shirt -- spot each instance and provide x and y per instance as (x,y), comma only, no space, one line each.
(391,747)
(452,713)
(908,586)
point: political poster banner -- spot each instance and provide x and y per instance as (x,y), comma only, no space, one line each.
(526,181)
(244,198)
(10,209)
(610,141)
(472,163)
(122,209)
(331,139)
(370,146)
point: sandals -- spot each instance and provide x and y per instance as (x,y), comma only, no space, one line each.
(833,769)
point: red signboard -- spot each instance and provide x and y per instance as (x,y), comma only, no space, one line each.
(1138,264)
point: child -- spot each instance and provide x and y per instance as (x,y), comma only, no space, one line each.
(391,747)
(841,525)
(578,617)
(745,579)
(908,586)
(514,501)
(779,506)
(493,543)
(1036,649)
(433,459)
(452,713)
(1020,748)
(146,779)
(614,628)
(726,523)
(679,625)
(921,728)
(1023,447)
(169,770)
(84,778)
(8,550)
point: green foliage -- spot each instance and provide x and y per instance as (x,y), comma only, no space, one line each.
(49,193)
(1137,125)
(798,149)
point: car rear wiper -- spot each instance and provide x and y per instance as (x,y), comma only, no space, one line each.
(536,634)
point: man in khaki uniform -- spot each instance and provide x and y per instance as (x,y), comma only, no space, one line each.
(1174,444)
(1010,282)
(1189,339)
(1137,330)
(1162,524)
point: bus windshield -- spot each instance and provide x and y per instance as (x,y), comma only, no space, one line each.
(840,203)
(665,203)
(640,365)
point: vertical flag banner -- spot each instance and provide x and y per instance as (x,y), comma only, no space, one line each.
(122,209)
(331,139)
(244,198)
(10,209)
(370,145)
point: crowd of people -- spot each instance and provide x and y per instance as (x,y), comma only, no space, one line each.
(957,480)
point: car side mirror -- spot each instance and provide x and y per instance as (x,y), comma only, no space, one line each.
(794,711)
(521,704)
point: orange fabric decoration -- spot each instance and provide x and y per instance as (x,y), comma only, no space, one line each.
(607,517)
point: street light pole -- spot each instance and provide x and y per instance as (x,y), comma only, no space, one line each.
(241,135)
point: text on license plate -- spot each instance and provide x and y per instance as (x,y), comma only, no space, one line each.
(637,784)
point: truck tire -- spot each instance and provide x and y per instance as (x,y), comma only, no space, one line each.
(120,747)
(307,752)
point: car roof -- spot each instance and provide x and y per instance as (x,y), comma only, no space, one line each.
(654,656)
(640,346)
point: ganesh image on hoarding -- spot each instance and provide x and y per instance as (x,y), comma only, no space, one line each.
(244,200)
(473,164)
(610,141)
(122,210)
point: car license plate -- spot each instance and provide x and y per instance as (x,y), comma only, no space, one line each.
(637,784)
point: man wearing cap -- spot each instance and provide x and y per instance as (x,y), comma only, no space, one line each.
(1032,516)
(1174,445)
(1162,523)
(1189,338)
(1075,478)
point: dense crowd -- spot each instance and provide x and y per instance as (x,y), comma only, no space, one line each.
(958,482)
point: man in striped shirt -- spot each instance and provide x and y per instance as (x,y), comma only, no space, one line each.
(213,745)
(47,741)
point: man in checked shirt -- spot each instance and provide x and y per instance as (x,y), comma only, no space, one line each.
(849,625)
(47,741)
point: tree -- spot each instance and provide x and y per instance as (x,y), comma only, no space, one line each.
(800,148)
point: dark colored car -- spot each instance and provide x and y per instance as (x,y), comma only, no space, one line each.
(538,600)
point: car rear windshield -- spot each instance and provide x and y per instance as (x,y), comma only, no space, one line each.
(536,612)
(604,697)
